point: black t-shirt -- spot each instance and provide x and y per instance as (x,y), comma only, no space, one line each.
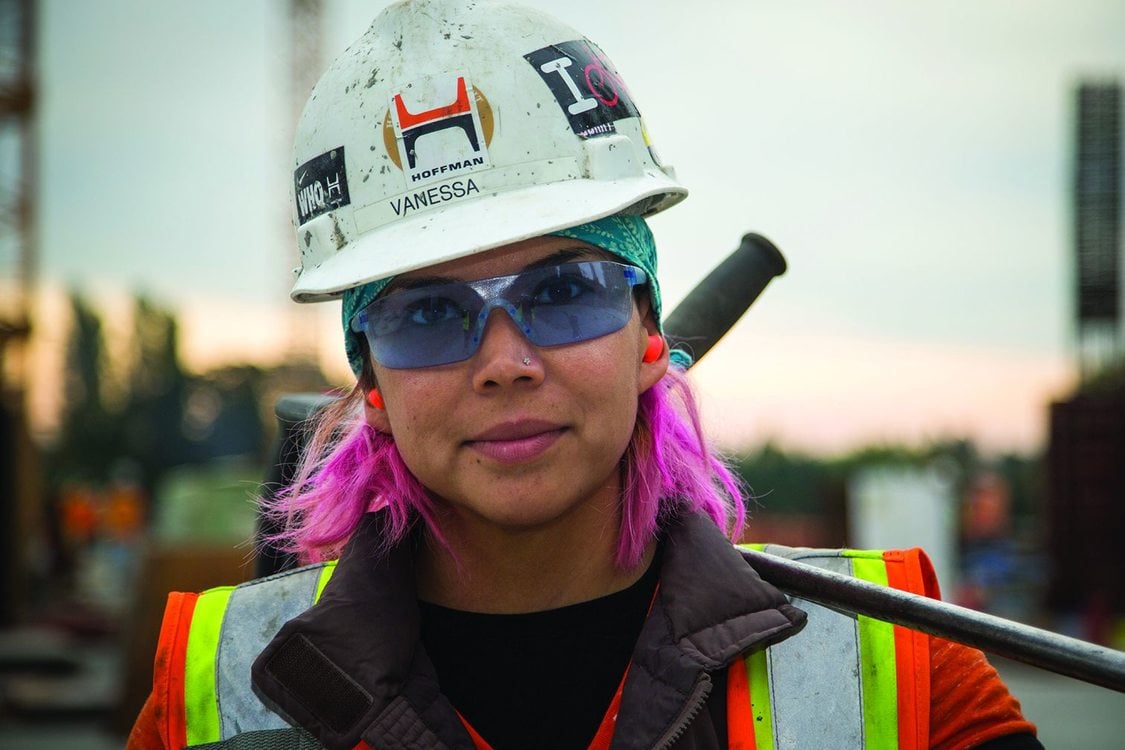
(543,679)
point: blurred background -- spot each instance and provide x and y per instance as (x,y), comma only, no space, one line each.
(942,364)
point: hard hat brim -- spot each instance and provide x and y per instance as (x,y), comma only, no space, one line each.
(445,233)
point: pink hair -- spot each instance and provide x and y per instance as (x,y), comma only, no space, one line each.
(349,469)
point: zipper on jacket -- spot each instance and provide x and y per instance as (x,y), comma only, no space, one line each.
(699,692)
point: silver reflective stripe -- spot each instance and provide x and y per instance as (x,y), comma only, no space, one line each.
(815,687)
(255,613)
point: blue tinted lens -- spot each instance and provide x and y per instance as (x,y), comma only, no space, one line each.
(442,323)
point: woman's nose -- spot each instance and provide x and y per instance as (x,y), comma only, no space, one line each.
(505,356)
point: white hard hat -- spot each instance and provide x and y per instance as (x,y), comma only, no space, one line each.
(456,126)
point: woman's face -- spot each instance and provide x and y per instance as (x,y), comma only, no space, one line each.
(516,446)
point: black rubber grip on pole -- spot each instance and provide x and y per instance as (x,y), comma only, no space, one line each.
(720,299)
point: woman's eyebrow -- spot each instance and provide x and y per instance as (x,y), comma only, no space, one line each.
(417,282)
(562,256)
(554,259)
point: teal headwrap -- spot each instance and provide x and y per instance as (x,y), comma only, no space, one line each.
(627,237)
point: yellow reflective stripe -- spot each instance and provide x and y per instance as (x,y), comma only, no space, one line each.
(758,674)
(325,574)
(877,659)
(201,707)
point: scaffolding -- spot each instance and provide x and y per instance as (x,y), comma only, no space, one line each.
(305,66)
(20,480)
(1097,226)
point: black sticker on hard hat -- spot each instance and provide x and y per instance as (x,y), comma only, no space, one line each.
(586,86)
(321,185)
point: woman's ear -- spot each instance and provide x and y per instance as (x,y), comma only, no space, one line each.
(655,354)
(375,410)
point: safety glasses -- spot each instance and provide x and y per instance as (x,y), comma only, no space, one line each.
(437,324)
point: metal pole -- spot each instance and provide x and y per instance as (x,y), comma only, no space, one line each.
(1072,657)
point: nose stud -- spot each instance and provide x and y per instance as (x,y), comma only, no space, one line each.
(526,361)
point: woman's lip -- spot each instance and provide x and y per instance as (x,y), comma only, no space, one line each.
(515,430)
(517,450)
(517,441)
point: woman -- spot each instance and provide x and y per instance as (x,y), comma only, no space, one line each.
(534,538)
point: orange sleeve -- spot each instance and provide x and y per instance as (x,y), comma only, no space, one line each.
(969,703)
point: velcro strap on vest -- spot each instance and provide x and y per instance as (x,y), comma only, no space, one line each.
(334,698)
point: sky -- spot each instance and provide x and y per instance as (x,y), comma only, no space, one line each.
(911,160)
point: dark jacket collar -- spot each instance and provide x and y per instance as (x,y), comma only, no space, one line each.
(711,608)
(352,667)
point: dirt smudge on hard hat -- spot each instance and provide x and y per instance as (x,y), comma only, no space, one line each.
(337,235)
(373,79)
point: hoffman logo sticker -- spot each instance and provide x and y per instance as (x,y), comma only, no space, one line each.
(321,185)
(437,129)
(585,85)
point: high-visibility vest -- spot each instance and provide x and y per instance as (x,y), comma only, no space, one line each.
(845,681)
